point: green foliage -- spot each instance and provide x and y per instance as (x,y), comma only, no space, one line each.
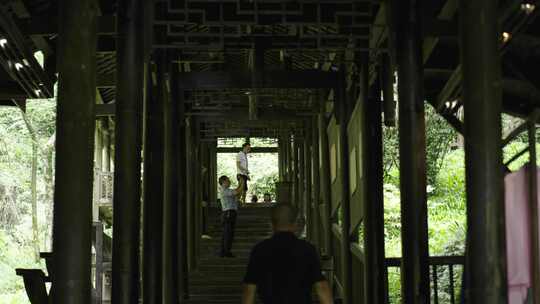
(15,205)
(263,168)
(439,136)
(446,216)
(446,198)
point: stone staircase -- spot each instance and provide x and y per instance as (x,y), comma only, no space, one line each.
(219,280)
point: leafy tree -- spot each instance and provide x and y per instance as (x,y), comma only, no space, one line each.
(26,153)
(439,139)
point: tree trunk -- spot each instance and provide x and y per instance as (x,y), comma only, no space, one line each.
(33,184)
(35,228)
(49,189)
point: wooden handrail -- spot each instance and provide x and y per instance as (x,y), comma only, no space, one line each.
(434,260)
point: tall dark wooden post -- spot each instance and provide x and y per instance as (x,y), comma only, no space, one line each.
(281,160)
(98,146)
(308,198)
(75,123)
(372,145)
(190,195)
(288,157)
(177,96)
(153,191)
(127,175)
(485,254)
(412,151)
(197,176)
(212,175)
(98,164)
(316,238)
(294,171)
(326,196)
(300,168)
(170,187)
(106,148)
(342,105)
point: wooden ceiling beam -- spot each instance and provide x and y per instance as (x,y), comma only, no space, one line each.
(47,26)
(253,149)
(106,81)
(270,79)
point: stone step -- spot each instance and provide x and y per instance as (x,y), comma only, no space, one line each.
(219,280)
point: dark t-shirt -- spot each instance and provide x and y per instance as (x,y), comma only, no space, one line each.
(284,268)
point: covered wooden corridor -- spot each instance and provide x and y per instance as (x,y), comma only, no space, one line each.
(146,88)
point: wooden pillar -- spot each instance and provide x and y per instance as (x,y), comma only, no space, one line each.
(288,157)
(75,122)
(294,169)
(204,184)
(106,148)
(127,175)
(301,202)
(372,145)
(190,184)
(316,181)
(341,103)
(153,190)
(412,151)
(197,176)
(326,196)
(481,67)
(280,159)
(213,172)
(98,147)
(308,199)
(170,185)
(177,95)
(98,160)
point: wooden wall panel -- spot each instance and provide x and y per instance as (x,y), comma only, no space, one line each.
(335,164)
(355,132)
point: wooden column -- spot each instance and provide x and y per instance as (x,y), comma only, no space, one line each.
(170,186)
(98,162)
(301,202)
(153,190)
(316,181)
(326,196)
(75,122)
(177,95)
(481,67)
(106,148)
(308,199)
(280,159)
(341,103)
(288,157)
(98,147)
(412,151)
(127,175)
(197,176)
(294,171)
(213,172)
(190,203)
(372,145)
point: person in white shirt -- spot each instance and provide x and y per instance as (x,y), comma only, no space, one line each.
(242,169)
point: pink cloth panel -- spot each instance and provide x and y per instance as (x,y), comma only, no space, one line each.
(518,247)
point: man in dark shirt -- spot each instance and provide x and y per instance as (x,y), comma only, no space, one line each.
(284,269)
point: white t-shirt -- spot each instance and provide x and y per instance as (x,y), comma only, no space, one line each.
(241,158)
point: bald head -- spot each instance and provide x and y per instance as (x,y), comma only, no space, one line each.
(284,217)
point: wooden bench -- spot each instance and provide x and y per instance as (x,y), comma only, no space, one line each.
(34,283)
(35,279)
